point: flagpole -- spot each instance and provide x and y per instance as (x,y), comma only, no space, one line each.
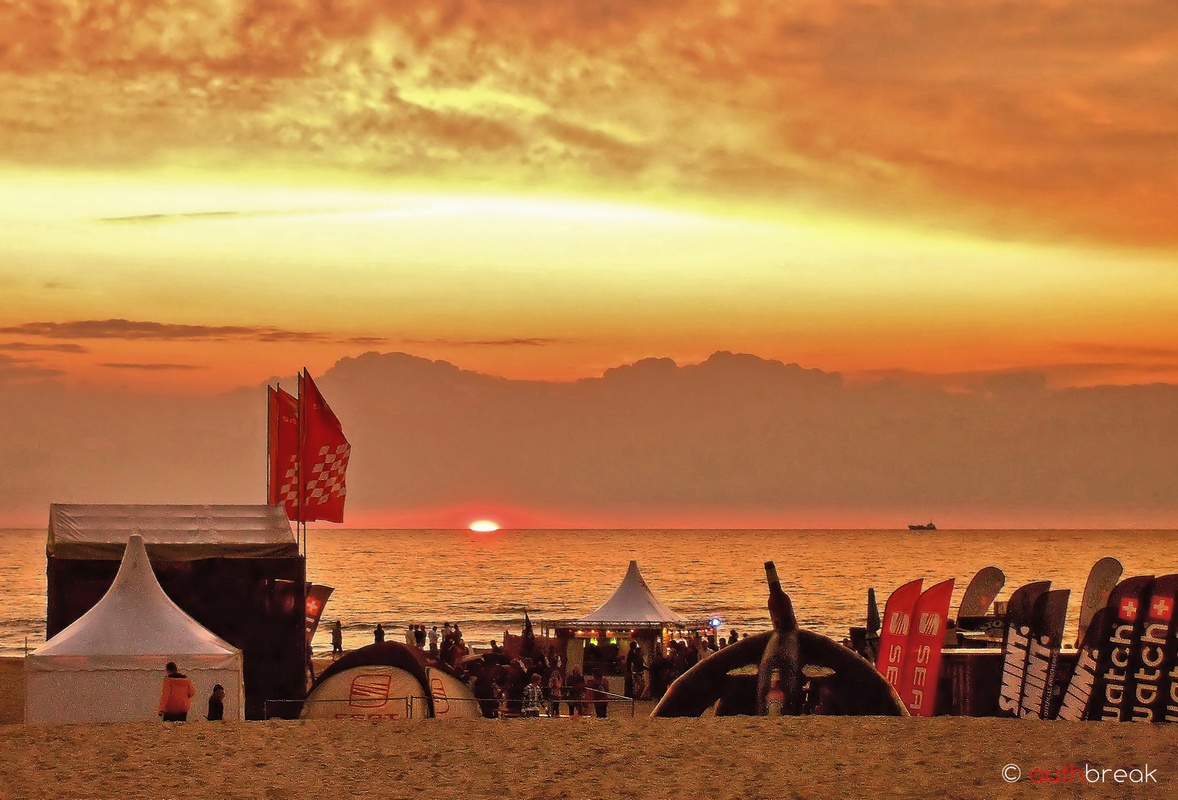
(269,413)
(302,521)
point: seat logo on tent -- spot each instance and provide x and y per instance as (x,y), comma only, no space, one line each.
(370,690)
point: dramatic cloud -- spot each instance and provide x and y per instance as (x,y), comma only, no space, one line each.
(164,331)
(208,215)
(522,342)
(153,367)
(1053,117)
(18,369)
(734,435)
(1129,351)
(38,347)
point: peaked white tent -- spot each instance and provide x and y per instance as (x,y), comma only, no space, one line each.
(108,666)
(633,604)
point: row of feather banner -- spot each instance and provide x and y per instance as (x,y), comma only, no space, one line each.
(1125,667)
(308,454)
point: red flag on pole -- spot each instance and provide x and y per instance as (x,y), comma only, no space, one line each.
(284,451)
(323,455)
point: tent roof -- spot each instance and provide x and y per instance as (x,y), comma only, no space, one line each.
(632,603)
(135,618)
(171,532)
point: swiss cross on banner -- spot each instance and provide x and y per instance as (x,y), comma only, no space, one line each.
(323,454)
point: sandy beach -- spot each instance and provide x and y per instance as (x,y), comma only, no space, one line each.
(810,757)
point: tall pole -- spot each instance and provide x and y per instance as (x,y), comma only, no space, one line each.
(301,523)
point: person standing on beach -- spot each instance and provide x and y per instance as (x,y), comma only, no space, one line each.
(337,640)
(635,666)
(433,642)
(176,695)
(575,691)
(216,704)
(533,698)
(601,691)
(378,634)
(555,692)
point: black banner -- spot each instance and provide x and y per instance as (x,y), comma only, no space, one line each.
(1017,643)
(1155,658)
(1047,621)
(1126,612)
(1083,678)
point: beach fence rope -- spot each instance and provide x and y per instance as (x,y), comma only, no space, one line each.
(410,701)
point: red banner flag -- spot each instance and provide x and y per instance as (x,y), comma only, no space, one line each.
(324,456)
(283,447)
(893,637)
(922,662)
(316,599)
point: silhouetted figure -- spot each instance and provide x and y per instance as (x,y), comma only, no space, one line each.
(378,634)
(216,704)
(337,639)
(601,691)
(555,692)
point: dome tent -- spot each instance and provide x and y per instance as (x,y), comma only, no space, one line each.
(108,665)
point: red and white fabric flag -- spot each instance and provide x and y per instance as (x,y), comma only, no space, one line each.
(921,673)
(283,447)
(897,625)
(324,454)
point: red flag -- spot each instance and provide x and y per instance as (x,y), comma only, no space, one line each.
(922,663)
(284,451)
(893,638)
(324,456)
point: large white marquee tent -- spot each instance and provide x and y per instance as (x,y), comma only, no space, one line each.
(108,666)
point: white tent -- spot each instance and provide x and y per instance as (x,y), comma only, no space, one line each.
(633,604)
(108,666)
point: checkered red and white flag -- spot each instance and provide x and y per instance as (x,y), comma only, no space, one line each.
(283,447)
(324,454)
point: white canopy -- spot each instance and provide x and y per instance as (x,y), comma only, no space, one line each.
(171,532)
(633,603)
(108,666)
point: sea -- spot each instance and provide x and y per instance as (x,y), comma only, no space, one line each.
(486,581)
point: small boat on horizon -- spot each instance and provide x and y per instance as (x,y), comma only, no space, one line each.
(928,527)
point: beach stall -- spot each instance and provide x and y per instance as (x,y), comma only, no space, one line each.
(602,637)
(108,665)
(235,569)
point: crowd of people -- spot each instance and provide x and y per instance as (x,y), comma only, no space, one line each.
(540,682)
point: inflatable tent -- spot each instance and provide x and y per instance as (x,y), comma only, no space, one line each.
(388,681)
(108,665)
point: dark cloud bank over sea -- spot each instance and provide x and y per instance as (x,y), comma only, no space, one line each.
(735,433)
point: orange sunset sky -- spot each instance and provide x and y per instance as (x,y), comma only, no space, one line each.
(197,195)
